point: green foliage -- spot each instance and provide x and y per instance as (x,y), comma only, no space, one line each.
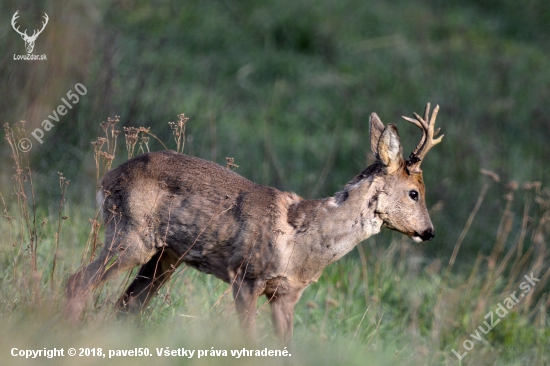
(286,88)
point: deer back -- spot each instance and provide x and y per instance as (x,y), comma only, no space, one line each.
(210,216)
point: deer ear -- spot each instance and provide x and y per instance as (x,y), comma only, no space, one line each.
(389,148)
(376,129)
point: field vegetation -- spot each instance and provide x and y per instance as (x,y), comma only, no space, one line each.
(285,89)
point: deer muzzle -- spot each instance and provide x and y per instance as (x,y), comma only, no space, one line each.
(426,235)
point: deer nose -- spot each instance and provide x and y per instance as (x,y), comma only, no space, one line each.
(427,235)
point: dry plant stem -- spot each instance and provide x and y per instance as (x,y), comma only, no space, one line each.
(111,134)
(361,322)
(92,240)
(98,145)
(470,282)
(503,232)
(524,225)
(213,140)
(34,234)
(230,163)
(34,230)
(63,186)
(114,135)
(144,140)
(466,228)
(516,250)
(26,227)
(377,285)
(375,330)
(520,262)
(536,268)
(165,300)
(178,130)
(327,305)
(505,261)
(7,216)
(10,238)
(455,253)
(132,136)
(541,305)
(156,138)
(364,273)
(9,137)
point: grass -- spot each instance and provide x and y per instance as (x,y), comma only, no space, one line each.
(390,304)
(296,90)
(286,88)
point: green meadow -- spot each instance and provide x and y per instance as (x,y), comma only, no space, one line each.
(285,88)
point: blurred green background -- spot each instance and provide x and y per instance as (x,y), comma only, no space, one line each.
(286,88)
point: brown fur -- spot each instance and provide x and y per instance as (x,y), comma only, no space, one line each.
(163,209)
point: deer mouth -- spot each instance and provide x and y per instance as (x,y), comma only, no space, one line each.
(426,235)
(416,238)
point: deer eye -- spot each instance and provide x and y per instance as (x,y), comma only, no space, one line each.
(413,195)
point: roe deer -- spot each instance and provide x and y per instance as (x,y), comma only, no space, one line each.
(163,209)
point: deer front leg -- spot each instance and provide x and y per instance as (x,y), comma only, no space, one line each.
(282,313)
(246,293)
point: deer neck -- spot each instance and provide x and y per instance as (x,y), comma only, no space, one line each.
(329,228)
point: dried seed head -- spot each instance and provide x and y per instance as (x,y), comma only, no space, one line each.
(231,163)
(531,186)
(512,186)
(494,176)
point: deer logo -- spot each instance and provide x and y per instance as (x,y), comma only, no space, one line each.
(29,40)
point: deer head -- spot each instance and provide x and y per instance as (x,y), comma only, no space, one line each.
(401,203)
(29,40)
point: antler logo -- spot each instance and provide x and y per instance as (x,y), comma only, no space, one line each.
(29,40)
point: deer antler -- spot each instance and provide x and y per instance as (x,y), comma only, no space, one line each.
(43,26)
(13,19)
(427,141)
(24,34)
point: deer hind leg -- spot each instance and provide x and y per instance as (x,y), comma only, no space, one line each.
(123,253)
(282,313)
(152,275)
